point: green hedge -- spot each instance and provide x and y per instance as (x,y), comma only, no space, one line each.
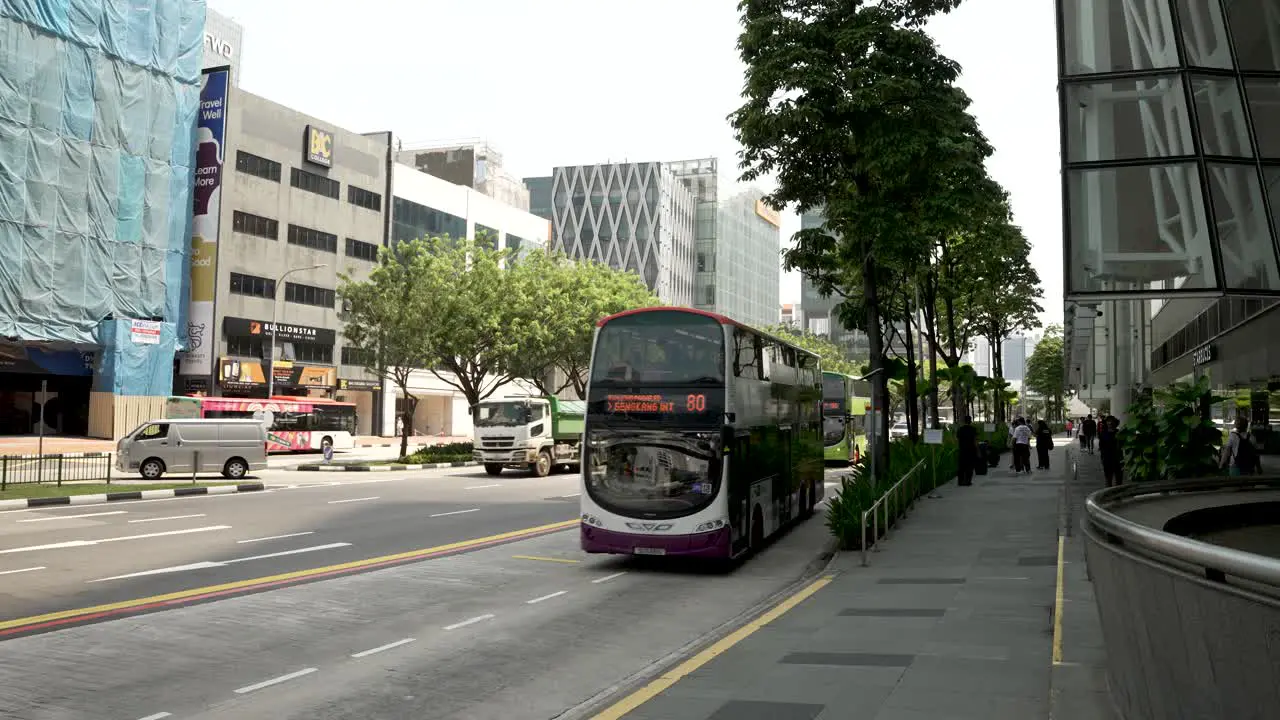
(858,492)
(452,452)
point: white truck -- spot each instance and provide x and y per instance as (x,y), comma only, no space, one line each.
(530,433)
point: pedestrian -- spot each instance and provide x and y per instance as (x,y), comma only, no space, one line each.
(1089,429)
(1044,443)
(967,455)
(1070,425)
(1022,434)
(1239,455)
(1109,450)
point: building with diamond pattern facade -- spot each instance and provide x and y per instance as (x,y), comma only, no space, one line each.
(631,216)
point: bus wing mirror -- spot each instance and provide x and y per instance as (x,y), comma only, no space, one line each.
(730,417)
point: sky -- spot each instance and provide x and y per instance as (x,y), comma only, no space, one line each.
(567,82)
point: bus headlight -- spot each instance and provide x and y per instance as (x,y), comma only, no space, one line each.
(591,520)
(711,525)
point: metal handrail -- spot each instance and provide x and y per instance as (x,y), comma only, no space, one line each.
(895,493)
(1249,566)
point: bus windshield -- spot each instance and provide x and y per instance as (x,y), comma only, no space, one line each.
(652,474)
(659,348)
(834,395)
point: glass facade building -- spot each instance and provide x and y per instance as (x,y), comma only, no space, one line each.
(745,261)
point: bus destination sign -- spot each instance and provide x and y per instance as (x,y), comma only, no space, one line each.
(656,403)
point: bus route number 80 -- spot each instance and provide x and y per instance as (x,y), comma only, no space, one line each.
(695,403)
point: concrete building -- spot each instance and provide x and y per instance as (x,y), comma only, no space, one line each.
(791,316)
(223,43)
(301,202)
(637,217)
(471,164)
(427,205)
(1171,189)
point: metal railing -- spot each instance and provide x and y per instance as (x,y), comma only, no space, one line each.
(55,469)
(1214,561)
(908,485)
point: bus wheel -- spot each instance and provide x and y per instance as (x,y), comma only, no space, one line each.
(493,468)
(757,528)
(542,467)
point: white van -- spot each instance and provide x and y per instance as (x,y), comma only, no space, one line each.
(231,447)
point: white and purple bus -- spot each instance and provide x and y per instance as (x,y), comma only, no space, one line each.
(703,436)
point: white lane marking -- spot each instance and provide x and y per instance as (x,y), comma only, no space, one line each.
(274,537)
(73,517)
(275,681)
(21,570)
(339,502)
(481,487)
(157,716)
(607,578)
(537,600)
(207,564)
(86,543)
(381,648)
(472,621)
(455,512)
(171,517)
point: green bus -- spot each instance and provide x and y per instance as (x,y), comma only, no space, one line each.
(844,417)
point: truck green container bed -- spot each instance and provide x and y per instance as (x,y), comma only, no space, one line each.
(568,417)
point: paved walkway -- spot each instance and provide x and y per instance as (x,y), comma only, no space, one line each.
(952,620)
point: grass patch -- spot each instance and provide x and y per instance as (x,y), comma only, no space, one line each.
(42,490)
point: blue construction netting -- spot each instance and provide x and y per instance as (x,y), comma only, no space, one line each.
(98,103)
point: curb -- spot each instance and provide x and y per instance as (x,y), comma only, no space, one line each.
(384,468)
(130,495)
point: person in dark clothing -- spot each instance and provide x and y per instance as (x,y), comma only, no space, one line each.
(1109,449)
(967,439)
(1044,443)
(1089,429)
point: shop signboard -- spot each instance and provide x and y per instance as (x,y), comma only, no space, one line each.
(237,373)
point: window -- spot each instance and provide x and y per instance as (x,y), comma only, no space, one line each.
(314,239)
(252,286)
(362,250)
(515,242)
(357,356)
(313,183)
(309,295)
(154,431)
(243,222)
(1109,120)
(251,164)
(364,198)
(660,348)
(312,353)
(244,346)
(412,221)
(486,237)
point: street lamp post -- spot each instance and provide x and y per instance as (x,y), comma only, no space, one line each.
(275,312)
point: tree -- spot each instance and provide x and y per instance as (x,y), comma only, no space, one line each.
(834,358)
(853,108)
(1009,299)
(560,302)
(386,317)
(1046,375)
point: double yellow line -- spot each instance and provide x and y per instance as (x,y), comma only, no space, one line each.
(98,612)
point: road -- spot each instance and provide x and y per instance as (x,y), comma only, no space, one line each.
(522,626)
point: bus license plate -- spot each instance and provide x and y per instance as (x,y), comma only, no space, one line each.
(650,551)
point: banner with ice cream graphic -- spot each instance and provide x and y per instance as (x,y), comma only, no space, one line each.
(211,131)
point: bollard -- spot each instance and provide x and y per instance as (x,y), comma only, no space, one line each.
(59,469)
(109,464)
(4,472)
(195,465)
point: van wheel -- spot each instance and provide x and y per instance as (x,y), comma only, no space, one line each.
(235,469)
(151,469)
(542,467)
(493,468)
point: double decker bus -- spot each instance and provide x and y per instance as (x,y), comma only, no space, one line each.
(703,437)
(844,417)
(296,423)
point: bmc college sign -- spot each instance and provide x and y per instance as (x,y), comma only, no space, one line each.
(319,146)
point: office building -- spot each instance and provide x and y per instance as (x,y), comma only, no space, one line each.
(745,262)
(223,41)
(473,164)
(637,217)
(791,316)
(301,202)
(425,205)
(97,118)
(1171,167)
(819,311)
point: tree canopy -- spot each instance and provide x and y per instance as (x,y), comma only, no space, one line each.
(834,358)
(1046,376)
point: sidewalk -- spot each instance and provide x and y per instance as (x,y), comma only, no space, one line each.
(953,620)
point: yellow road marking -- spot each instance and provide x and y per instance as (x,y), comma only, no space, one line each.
(648,692)
(544,559)
(1058,602)
(295,575)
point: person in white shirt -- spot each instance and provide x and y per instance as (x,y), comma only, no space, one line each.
(1022,435)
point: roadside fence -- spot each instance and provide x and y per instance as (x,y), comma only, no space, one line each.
(55,469)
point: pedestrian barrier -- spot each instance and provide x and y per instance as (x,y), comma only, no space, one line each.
(54,469)
(892,498)
(1189,626)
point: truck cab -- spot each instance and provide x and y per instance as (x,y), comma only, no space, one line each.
(537,434)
